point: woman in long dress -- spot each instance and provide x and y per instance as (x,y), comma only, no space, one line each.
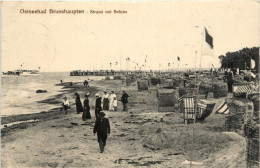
(105,101)
(111,101)
(79,106)
(86,112)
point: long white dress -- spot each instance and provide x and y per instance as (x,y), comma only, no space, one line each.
(111,101)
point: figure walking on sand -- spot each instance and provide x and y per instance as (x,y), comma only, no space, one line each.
(79,106)
(105,101)
(111,101)
(124,100)
(86,112)
(98,107)
(102,128)
(86,83)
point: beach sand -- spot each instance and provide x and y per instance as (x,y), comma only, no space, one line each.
(143,137)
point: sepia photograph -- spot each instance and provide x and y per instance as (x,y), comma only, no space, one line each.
(125,84)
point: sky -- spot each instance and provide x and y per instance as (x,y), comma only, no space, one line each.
(156,31)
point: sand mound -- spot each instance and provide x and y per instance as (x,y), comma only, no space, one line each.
(204,143)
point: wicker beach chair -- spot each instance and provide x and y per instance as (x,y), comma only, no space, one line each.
(205,108)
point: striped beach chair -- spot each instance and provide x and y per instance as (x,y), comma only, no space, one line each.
(240,90)
(205,108)
(223,108)
(187,106)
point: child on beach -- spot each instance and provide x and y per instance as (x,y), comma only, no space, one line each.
(65,105)
(115,104)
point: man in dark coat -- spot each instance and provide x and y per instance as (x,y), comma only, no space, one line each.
(79,106)
(98,107)
(86,112)
(102,128)
(124,100)
(230,82)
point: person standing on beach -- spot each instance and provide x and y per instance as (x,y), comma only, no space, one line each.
(79,106)
(86,83)
(105,101)
(230,82)
(86,112)
(124,100)
(111,101)
(102,128)
(98,107)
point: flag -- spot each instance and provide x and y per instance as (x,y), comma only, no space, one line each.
(222,108)
(178,58)
(252,64)
(208,38)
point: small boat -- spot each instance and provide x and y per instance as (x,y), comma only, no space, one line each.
(21,72)
(29,72)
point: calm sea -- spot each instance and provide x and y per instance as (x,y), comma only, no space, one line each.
(18,93)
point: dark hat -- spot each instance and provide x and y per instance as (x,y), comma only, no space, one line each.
(102,114)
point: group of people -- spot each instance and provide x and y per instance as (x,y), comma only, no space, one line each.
(109,102)
(106,102)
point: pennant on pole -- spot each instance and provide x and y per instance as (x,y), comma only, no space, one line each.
(208,38)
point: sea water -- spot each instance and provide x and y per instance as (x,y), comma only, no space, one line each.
(18,93)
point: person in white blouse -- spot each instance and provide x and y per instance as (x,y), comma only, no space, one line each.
(111,101)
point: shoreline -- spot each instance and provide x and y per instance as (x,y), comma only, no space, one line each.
(53,113)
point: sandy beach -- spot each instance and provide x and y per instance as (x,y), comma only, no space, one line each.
(143,137)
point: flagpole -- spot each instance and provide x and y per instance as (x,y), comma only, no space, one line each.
(201,49)
(250,69)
